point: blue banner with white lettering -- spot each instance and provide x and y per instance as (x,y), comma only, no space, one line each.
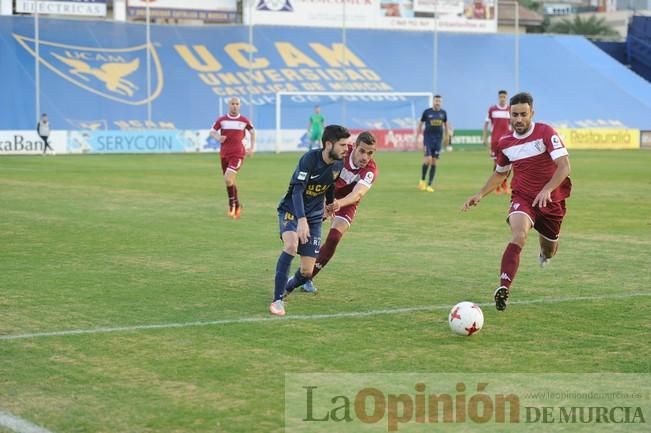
(93,75)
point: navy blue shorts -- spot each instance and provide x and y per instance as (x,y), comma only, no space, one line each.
(289,223)
(433,148)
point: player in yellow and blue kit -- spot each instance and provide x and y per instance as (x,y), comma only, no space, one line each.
(436,133)
(301,211)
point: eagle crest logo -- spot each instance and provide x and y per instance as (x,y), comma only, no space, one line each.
(114,73)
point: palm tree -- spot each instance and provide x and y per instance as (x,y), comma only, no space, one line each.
(593,26)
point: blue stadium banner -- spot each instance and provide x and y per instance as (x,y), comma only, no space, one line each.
(95,8)
(93,75)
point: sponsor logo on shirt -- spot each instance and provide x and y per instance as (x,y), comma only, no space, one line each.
(556,142)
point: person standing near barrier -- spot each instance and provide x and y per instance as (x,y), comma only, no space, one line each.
(43,130)
(315,127)
(499,119)
(232,129)
(436,133)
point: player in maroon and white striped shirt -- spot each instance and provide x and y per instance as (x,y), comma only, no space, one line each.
(541,183)
(499,119)
(232,129)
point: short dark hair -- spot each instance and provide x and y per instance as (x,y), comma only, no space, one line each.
(522,98)
(502,92)
(437,96)
(334,133)
(366,138)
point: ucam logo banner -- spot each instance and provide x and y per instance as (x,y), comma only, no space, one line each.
(114,73)
(96,8)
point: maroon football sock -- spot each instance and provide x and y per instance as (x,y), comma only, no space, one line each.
(236,199)
(232,195)
(327,250)
(510,263)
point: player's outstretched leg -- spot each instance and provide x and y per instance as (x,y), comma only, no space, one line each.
(520,225)
(295,281)
(309,287)
(432,173)
(508,269)
(548,249)
(277,307)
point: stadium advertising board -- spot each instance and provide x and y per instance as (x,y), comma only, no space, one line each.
(29,143)
(600,138)
(645,139)
(223,11)
(452,15)
(157,141)
(96,8)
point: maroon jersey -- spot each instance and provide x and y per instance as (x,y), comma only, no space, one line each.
(532,157)
(233,128)
(351,175)
(499,117)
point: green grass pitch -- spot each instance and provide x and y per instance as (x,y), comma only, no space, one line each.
(91,242)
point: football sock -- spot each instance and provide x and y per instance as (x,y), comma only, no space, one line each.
(236,199)
(432,171)
(282,270)
(423,172)
(510,263)
(327,250)
(298,280)
(231,196)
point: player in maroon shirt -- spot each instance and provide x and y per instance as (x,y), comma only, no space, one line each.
(541,183)
(355,180)
(499,118)
(232,129)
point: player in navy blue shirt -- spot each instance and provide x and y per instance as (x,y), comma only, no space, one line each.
(436,133)
(309,197)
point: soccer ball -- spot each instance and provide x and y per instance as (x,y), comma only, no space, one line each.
(466,318)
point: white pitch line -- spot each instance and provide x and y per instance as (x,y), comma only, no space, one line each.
(258,319)
(19,425)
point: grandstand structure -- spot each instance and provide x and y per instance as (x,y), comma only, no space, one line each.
(110,75)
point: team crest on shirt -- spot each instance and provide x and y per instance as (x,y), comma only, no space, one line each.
(539,145)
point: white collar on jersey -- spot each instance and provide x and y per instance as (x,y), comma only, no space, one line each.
(350,160)
(526,134)
(502,107)
(232,117)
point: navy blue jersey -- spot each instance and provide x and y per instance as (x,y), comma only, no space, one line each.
(314,178)
(434,121)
